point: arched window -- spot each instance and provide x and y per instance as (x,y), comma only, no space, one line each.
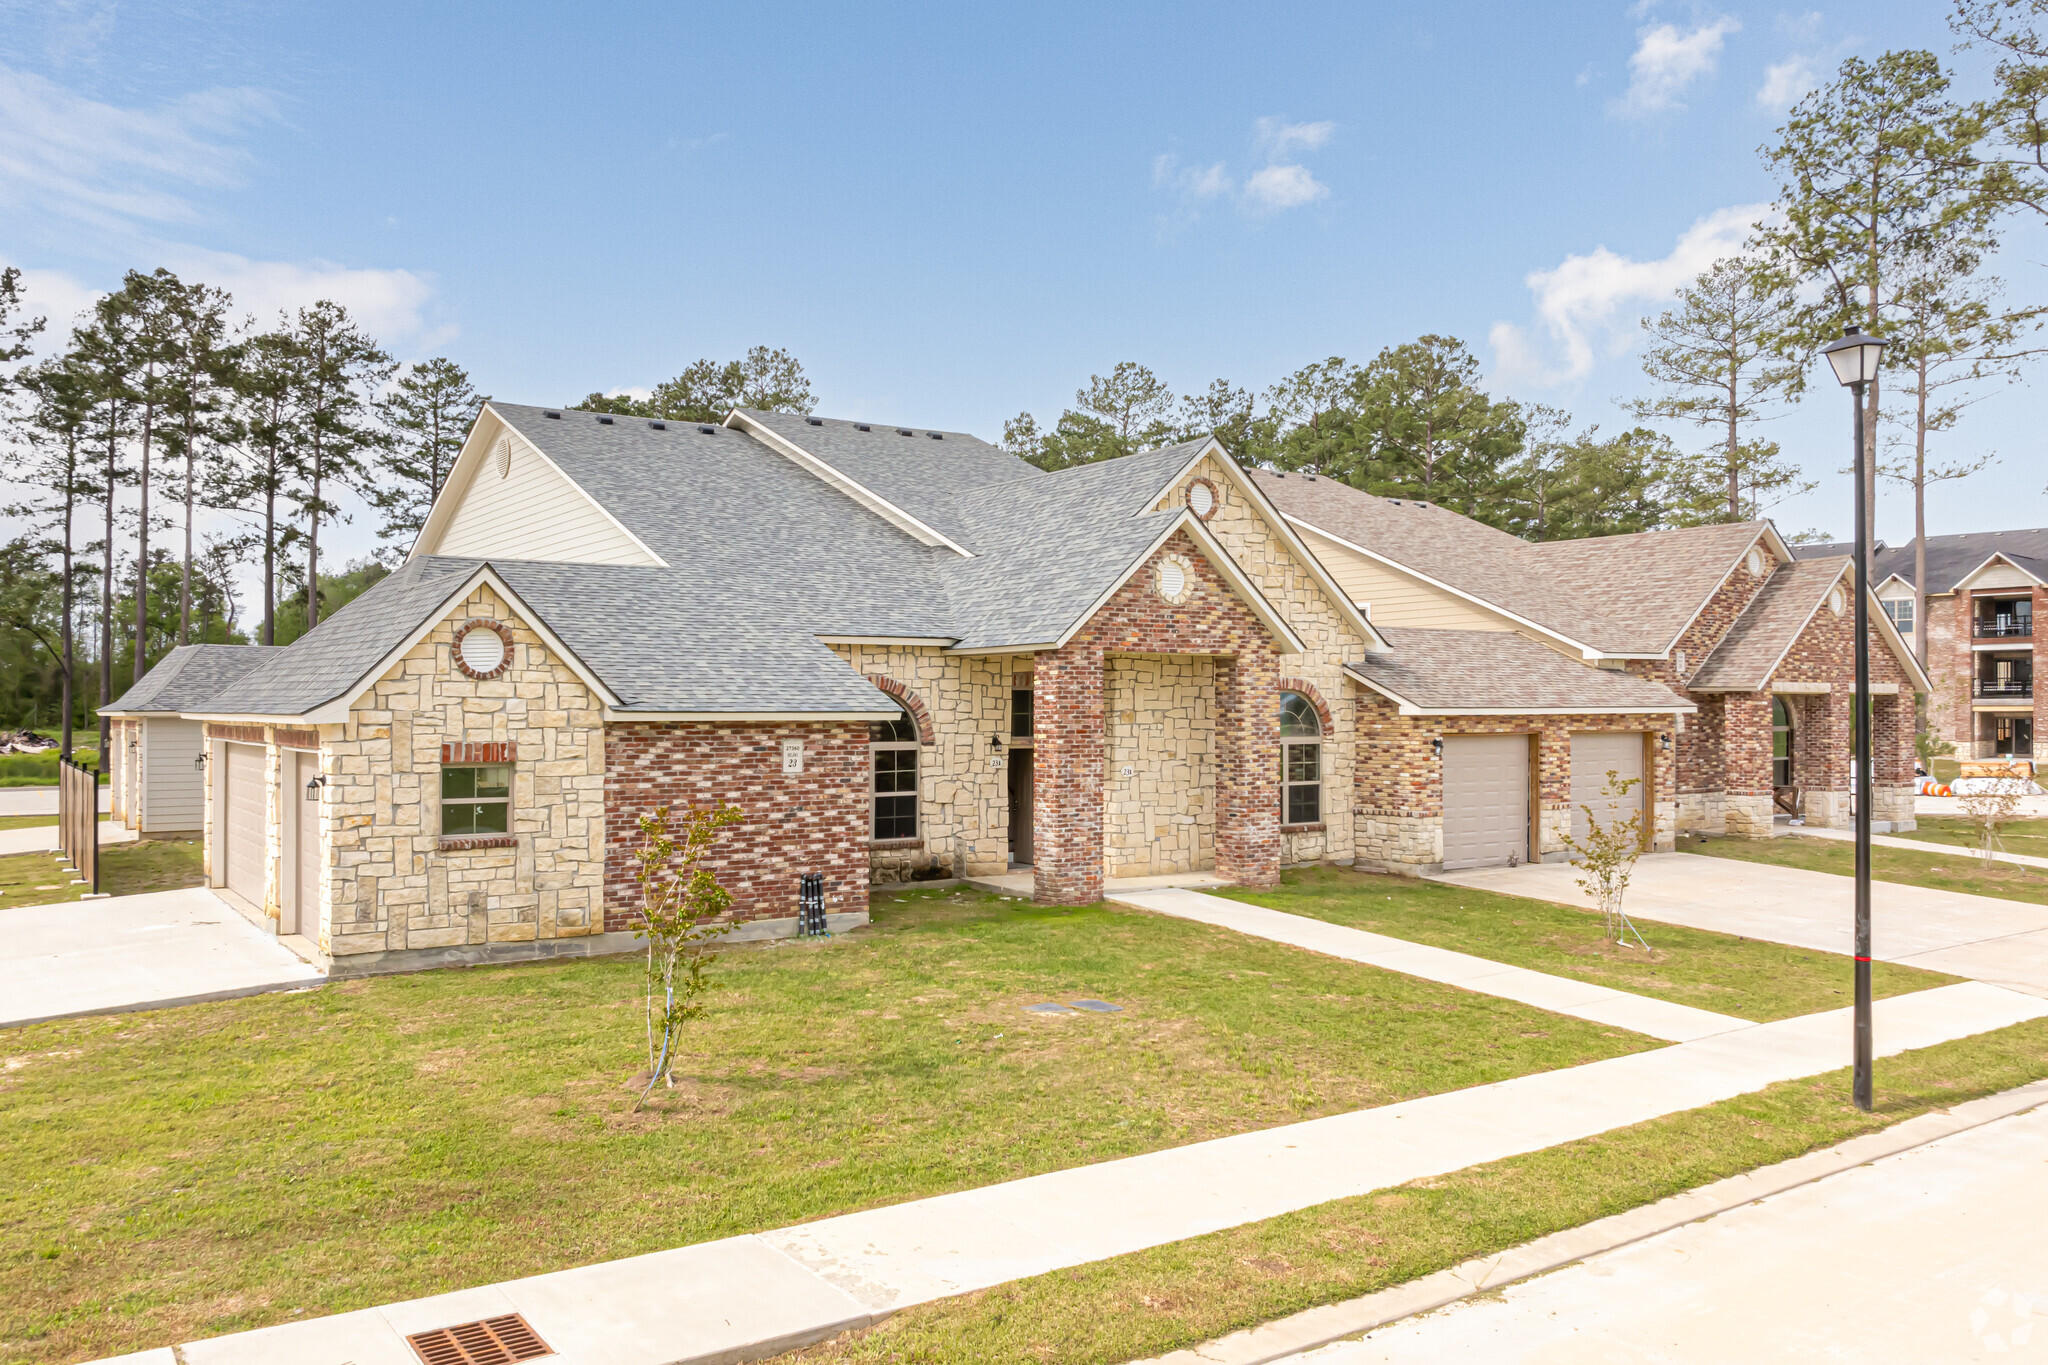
(892,746)
(1781,743)
(1301,761)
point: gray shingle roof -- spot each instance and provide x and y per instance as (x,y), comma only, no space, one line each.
(1949,558)
(190,676)
(1498,670)
(1750,651)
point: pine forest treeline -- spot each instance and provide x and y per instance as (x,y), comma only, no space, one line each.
(159,411)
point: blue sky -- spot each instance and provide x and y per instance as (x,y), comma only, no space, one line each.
(949,213)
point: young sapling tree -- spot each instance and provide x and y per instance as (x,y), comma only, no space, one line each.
(680,902)
(1607,857)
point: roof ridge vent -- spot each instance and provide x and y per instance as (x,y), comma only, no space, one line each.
(604,421)
(936,435)
(905,431)
(862,426)
(658,426)
(549,412)
(814,421)
(709,431)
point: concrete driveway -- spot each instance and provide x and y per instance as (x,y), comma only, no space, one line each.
(1939,1253)
(1998,941)
(136,952)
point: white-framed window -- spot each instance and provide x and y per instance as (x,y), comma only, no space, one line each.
(1901,611)
(1301,761)
(476,799)
(892,749)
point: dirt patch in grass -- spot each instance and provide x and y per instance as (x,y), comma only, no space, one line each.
(1178,1296)
(229,1165)
(1746,978)
(1954,870)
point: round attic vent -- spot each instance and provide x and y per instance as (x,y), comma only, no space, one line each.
(1172,578)
(503,454)
(482,649)
(1755,561)
(1202,498)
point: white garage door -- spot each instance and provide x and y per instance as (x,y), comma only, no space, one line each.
(245,822)
(305,849)
(1594,755)
(1486,800)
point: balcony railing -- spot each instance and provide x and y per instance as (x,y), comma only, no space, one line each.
(2004,687)
(2004,627)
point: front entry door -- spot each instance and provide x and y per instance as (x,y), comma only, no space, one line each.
(1021,797)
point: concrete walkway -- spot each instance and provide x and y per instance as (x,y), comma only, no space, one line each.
(136,953)
(1938,1253)
(1910,845)
(749,1297)
(1020,884)
(1980,937)
(1558,994)
(42,800)
(43,838)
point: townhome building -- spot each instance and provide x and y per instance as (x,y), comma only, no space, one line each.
(905,654)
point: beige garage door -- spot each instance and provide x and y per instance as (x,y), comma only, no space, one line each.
(1486,800)
(1594,755)
(245,821)
(305,848)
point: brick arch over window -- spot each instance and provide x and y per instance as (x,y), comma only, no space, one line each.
(911,703)
(1315,699)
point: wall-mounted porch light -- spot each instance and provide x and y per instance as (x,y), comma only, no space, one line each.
(1664,741)
(313,786)
(199,761)
(1436,746)
(995,741)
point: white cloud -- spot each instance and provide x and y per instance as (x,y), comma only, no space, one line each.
(1283,187)
(1278,137)
(1278,185)
(1667,60)
(1587,305)
(84,159)
(1785,82)
(389,304)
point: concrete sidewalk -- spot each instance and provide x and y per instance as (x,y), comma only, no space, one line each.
(1910,845)
(1558,994)
(746,1298)
(1938,1253)
(43,838)
(142,952)
(1981,937)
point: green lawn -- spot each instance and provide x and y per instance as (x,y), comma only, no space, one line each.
(40,769)
(1953,871)
(222,1166)
(1747,978)
(2020,836)
(125,870)
(1177,1296)
(26,821)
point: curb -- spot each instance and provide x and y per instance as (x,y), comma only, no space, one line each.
(1313,1327)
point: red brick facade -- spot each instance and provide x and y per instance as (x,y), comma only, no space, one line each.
(1070,725)
(1699,753)
(1952,664)
(815,821)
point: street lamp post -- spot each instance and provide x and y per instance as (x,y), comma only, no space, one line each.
(1854,359)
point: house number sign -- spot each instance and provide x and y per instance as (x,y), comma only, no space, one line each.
(792,757)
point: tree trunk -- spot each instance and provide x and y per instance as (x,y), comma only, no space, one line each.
(70,501)
(1734,444)
(313,551)
(185,582)
(140,663)
(1920,519)
(270,556)
(107,590)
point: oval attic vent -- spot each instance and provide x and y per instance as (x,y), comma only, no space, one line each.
(503,452)
(1173,581)
(1201,501)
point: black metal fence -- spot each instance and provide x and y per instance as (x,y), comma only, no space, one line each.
(78,820)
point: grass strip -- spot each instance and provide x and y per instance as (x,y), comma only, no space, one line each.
(189,1172)
(1953,871)
(125,870)
(1177,1296)
(2019,836)
(1744,977)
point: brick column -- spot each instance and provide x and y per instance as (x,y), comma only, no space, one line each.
(1247,768)
(1066,806)
(1746,753)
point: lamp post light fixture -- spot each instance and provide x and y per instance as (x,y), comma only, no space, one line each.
(1854,359)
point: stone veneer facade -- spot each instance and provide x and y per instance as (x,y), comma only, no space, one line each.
(1159,763)
(1400,788)
(963,794)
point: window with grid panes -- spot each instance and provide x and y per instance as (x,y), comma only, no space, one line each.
(892,746)
(1301,760)
(476,800)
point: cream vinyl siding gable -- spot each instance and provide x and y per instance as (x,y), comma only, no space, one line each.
(1398,600)
(1896,590)
(533,512)
(2000,576)
(173,796)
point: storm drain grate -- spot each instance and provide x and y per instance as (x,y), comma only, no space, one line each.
(492,1341)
